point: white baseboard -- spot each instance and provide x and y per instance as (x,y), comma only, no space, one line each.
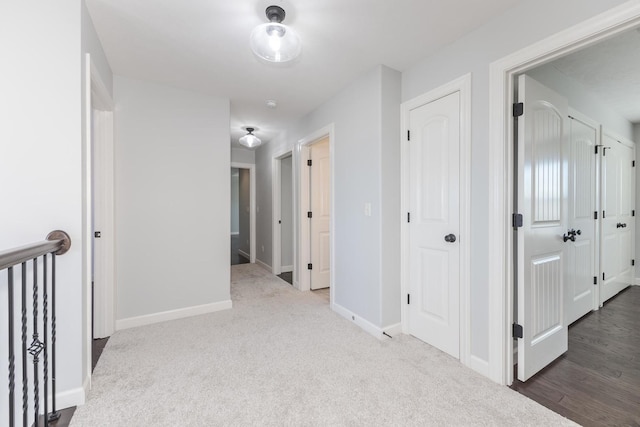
(637,281)
(74,397)
(164,316)
(286,268)
(264,265)
(235,233)
(244,254)
(479,365)
(393,330)
(363,323)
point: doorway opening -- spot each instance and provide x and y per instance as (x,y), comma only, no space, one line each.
(242,225)
(503,171)
(100,215)
(283,215)
(315,250)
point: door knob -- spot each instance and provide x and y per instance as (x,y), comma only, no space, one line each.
(450,238)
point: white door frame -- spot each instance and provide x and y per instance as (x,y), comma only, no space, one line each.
(252,206)
(462,85)
(302,253)
(501,168)
(97,97)
(276,202)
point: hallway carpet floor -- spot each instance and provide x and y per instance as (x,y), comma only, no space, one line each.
(282,357)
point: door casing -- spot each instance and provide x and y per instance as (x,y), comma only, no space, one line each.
(501,168)
(252,206)
(276,181)
(462,85)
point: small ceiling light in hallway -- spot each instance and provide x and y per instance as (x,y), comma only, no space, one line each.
(274,41)
(250,140)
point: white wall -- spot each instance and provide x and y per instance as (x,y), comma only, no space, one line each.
(235,194)
(519,27)
(241,155)
(41,162)
(172,198)
(582,99)
(362,174)
(286,211)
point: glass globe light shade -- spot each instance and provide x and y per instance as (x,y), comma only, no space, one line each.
(275,42)
(250,141)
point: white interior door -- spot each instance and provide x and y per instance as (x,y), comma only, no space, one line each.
(542,200)
(434,250)
(617,221)
(582,268)
(320,217)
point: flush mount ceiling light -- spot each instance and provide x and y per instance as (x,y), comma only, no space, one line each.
(273,41)
(250,140)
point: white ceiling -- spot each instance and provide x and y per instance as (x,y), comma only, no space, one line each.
(203,45)
(611,71)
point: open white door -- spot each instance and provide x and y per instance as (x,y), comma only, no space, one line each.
(617,221)
(434,246)
(542,201)
(581,266)
(320,196)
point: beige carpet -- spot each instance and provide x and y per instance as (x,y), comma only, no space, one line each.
(282,357)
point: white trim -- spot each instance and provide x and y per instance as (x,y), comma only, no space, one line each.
(73,397)
(244,254)
(501,81)
(462,85)
(252,206)
(479,365)
(637,281)
(264,265)
(361,322)
(180,313)
(235,233)
(393,330)
(286,269)
(301,250)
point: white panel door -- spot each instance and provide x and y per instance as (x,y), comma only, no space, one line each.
(320,199)
(542,200)
(617,222)
(434,307)
(581,267)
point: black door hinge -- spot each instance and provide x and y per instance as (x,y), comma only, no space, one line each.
(97,234)
(309,214)
(408,298)
(516,331)
(633,212)
(518,109)
(309,266)
(603,215)
(309,162)
(408,216)
(595,280)
(516,220)
(595,215)
(633,163)
(603,277)
(408,135)
(633,262)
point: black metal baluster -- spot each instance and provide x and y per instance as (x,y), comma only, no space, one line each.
(25,378)
(36,345)
(12,366)
(45,360)
(54,415)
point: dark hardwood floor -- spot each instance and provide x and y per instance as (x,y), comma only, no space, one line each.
(597,382)
(287,277)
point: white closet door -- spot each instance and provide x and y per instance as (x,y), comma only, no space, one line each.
(617,226)
(582,269)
